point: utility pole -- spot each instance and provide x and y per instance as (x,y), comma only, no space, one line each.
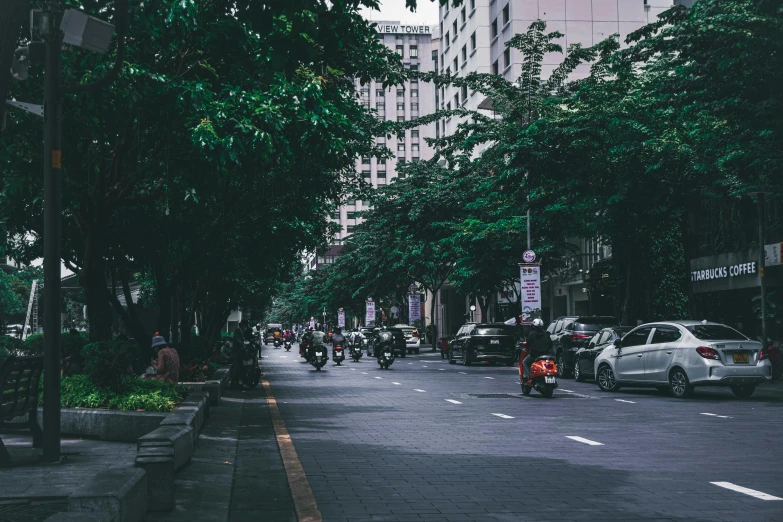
(52,234)
(761,200)
(528,229)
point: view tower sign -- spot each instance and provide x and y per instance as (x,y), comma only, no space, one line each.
(403,29)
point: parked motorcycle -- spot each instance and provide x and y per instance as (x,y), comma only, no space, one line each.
(543,375)
(356,351)
(287,346)
(339,354)
(249,374)
(318,358)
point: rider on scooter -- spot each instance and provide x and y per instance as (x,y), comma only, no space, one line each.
(337,339)
(539,343)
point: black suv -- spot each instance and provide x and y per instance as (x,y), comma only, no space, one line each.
(490,342)
(571,333)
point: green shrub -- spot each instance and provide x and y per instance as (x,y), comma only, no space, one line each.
(71,345)
(109,362)
(33,345)
(79,391)
(12,344)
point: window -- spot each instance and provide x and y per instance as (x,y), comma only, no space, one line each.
(398,37)
(715,332)
(448,71)
(464,54)
(401,175)
(456,100)
(472,5)
(447,40)
(448,106)
(380,139)
(637,337)
(473,42)
(463,15)
(400,93)
(382,161)
(381,174)
(334,215)
(666,334)
(464,93)
(454,27)
(506,14)
(350,228)
(495,67)
(415,81)
(400,147)
(493,29)
(400,106)
(401,161)
(415,67)
(350,202)
(400,118)
(414,93)
(351,215)
(415,133)
(380,105)
(456,65)
(399,50)
(379,93)
(413,51)
(414,107)
(507,57)
(366,92)
(415,147)
(366,173)
(365,161)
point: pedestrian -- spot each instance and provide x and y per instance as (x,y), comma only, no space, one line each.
(166,365)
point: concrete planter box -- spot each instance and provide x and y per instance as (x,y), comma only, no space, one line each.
(120,491)
(179,437)
(110,425)
(212,388)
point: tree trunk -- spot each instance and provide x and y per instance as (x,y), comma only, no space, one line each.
(12,14)
(483,301)
(164,311)
(93,281)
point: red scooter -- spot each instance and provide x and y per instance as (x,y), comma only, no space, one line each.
(338,354)
(543,375)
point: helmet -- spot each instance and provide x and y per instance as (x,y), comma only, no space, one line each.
(538,323)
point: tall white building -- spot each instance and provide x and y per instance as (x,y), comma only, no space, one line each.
(417,44)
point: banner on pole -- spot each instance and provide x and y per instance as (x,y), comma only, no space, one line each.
(341,318)
(530,277)
(369,314)
(414,308)
(312,322)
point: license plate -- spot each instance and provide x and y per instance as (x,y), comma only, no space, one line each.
(318,354)
(740,358)
(247,363)
(549,380)
(494,341)
(387,355)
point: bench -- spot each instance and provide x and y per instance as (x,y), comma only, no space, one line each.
(19,378)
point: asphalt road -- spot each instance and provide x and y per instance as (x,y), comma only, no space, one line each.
(426,440)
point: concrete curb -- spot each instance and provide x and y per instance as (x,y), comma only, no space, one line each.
(116,490)
(179,437)
(109,425)
(69,516)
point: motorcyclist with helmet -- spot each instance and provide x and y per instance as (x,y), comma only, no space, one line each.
(307,340)
(538,343)
(338,339)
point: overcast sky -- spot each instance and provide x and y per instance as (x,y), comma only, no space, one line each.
(395,10)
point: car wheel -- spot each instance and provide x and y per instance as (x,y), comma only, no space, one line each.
(578,375)
(679,384)
(561,366)
(606,379)
(743,391)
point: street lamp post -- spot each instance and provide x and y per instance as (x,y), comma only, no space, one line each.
(760,200)
(472,311)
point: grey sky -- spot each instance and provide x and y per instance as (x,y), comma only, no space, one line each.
(395,10)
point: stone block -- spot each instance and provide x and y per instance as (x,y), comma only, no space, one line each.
(69,516)
(120,491)
(211,387)
(200,396)
(110,425)
(179,437)
(222,374)
(158,462)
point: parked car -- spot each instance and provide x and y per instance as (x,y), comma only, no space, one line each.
(677,356)
(412,339)
(490,342)
(584,358)
(571,333)
(399,341)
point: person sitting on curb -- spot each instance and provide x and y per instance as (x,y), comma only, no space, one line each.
(167,363)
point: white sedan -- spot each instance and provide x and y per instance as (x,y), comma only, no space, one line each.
(679,355)
(412,339)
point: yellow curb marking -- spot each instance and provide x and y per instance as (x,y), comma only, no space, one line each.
(304,501)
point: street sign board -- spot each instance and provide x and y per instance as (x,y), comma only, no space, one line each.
(341,318)
(414,307)
(530,277)
(312,322)
(369,312)
(529,256)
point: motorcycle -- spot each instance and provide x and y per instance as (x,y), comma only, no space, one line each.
(339,354)
(277,343)
(287,346)
(319,358)
(543,374)
(356,351)
(249,373)
(385,356)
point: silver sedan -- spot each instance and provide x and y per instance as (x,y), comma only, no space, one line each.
(679,355)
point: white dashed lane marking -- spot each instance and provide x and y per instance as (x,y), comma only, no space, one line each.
(442,369)
(379,377)
(752,492)
(489,377)
(420,391)
(463,373)
(396,383)
(623,400)
(567,391)
(452,401)
(502,415)
(584,441)
(716,415)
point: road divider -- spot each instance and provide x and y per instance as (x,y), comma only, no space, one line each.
(747,491)
(584,441)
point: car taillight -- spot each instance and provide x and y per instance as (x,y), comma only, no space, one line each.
(763,354)
(416,334)
(578,336)
(708,353)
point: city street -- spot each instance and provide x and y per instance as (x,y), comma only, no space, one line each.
(427,440)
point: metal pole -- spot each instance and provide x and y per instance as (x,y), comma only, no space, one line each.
(528,229)
(52,233)
(761,198)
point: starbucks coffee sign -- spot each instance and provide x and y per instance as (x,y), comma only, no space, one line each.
(403,29)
